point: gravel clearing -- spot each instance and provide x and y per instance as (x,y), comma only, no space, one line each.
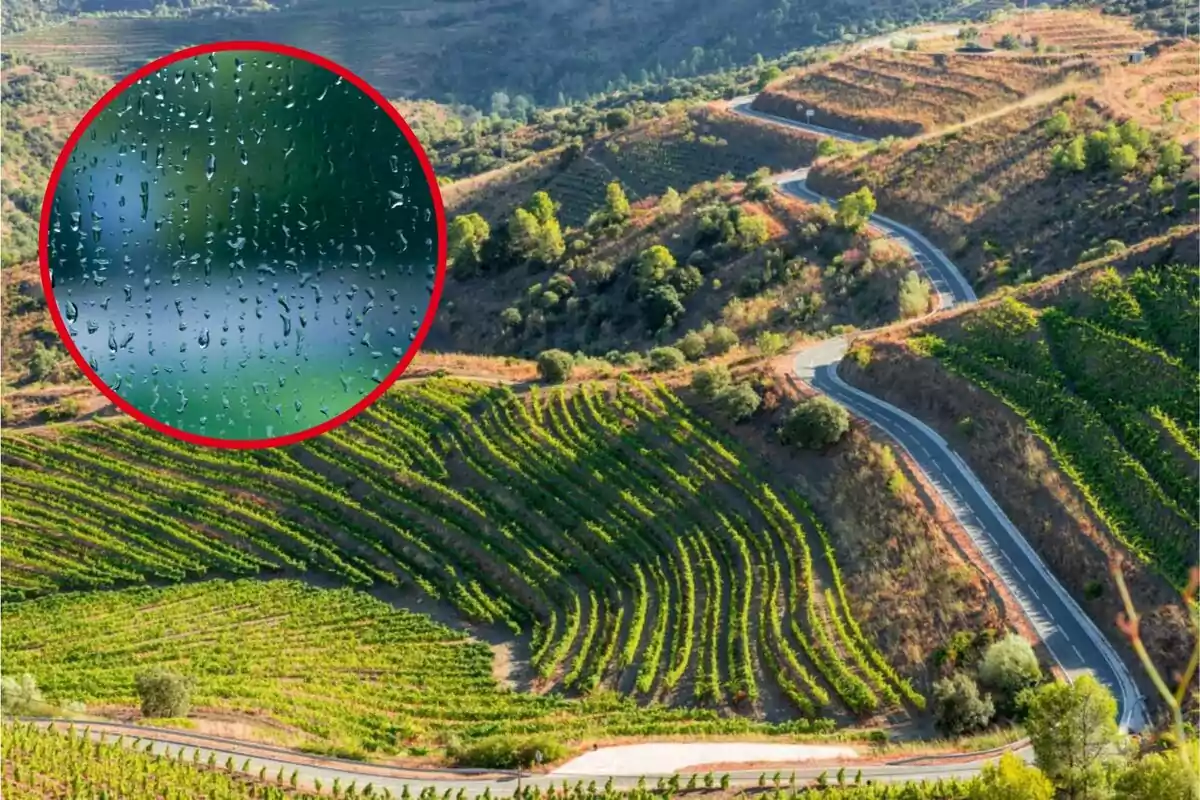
(667,757)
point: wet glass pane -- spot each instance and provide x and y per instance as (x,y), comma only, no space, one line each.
(243,245)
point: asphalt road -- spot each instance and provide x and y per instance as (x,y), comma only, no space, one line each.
(1071,638)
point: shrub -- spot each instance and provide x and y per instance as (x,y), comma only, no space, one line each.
(555,366)
(654,264)
(711,381)
(692,346)
(752,231)
(511,317)
(509,752)
(163,693)
(661,306)
(1123,158)
(914,295)
(617,118)
(770,343)
(43,361)
(66,408)
(670,202)
(1009,666)
(722,340)
(1058,124)
(815,423)
(736,403)
(19,695)
(1071,157)
(665,359)
(960,707)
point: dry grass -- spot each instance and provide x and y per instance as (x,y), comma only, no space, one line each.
(1088,32)
(1162,93)
(880,93)
(678,150)
(987,194)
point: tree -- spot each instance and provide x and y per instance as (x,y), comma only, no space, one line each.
(1071,157)
(1009,666)
(1170,156)
(550,245)
(815,423)
(914,295)
(722,340)
(686,280)
(670,202)
(617,119)
(654,264)
(1009,42)
(661,306)
(1122,158)
(664,359)
(758,186)
(959,705)
(711,381)
(43,361)
(692,345)
(855,209)
(542,207)
(1012,779)
(1073,730)
(737,402)
(466,237)
(616,204)
(163,693)
(524,234)
(19,695)
(1158,776)
(752,231)
(555,366)
(766,75)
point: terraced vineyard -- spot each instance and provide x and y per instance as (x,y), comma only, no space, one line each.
(1089,32)
(635,543)
(393,679)
(880,93)
(1108,380)
(679,150)
(51,763)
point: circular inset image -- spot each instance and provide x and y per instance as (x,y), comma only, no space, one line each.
(243,245)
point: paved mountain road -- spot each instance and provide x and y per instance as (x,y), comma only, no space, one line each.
(1072,639)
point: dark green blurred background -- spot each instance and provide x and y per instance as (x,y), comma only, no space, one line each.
(243,245)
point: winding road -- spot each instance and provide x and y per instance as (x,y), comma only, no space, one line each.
(1071,638)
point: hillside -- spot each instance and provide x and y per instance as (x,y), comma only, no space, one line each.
(677,147)
(488,502)
(470,50)
(1029,192)
(881,93)
(1075,401)
(736,256)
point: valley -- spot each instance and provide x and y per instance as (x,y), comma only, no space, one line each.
(611,504)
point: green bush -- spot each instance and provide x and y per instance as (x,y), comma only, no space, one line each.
(555,366)
(163,693)
(692,345)
(711,381)
(959,706)
(815,423)
(736,403)
(509,752)
(722,340)
(1009,666)
(665,359)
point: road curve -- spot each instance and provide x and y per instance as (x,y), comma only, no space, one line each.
(1070,636)
(171,742)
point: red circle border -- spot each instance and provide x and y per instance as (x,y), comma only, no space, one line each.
(44,237)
